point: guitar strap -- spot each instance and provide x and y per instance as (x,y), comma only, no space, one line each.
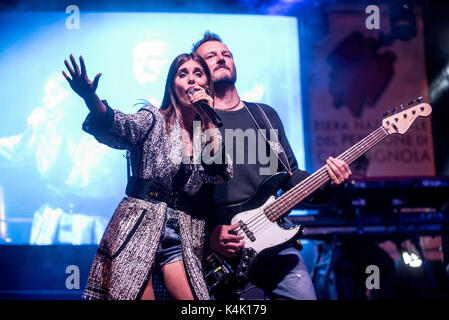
(262,122)
(259,117)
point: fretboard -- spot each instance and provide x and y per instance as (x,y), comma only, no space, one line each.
(305,188)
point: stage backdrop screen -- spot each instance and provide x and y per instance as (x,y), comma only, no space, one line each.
(57,183)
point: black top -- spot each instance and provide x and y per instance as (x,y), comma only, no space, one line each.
(247,164)
(245,155)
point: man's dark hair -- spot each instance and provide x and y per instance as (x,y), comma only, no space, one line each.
(208,36)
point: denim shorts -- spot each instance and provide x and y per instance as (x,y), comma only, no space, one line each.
(169,249)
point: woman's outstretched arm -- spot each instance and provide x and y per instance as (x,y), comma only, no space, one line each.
(109,126)
(83,86)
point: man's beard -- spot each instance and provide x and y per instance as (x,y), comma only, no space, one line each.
(226,79)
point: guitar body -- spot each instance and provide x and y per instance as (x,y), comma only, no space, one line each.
(262,235)
(265,233)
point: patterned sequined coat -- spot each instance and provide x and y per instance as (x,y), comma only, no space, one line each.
(126,252)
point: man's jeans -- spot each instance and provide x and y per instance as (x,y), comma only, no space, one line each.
(283,275)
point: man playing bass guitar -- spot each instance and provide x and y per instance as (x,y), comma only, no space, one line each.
(282,273)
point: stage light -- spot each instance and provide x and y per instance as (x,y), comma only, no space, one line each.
(440,85)
(411,259)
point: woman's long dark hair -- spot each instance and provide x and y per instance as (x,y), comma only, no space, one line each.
(169,102)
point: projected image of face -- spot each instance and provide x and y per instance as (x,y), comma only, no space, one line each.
(63,156)
(54,92)
(149,58)
(43,137)
(220,61)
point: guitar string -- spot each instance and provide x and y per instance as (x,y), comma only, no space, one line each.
(287,196)
(271,213)
(349,156)
(321,176)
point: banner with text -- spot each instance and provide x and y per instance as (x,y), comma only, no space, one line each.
(359,72)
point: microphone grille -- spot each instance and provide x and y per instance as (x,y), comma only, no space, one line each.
(191,90)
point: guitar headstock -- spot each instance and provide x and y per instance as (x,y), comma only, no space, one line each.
(400,122)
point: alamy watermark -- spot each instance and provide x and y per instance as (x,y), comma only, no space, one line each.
(261,147)
(373,280)
(373,20)
(72,282)
(72,21)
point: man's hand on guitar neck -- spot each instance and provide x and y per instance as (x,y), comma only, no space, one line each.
(224,241)
(338,170)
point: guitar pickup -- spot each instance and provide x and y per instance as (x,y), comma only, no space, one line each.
(248,233)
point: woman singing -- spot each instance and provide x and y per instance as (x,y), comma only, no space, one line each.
(156,227)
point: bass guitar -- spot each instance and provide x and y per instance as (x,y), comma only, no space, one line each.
(259,217)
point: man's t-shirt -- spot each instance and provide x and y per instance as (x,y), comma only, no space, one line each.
(247,159)
(247,164)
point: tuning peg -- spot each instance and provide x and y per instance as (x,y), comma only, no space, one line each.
(419,99)
(410,103)
(402,106)
(393,111)
(385,114)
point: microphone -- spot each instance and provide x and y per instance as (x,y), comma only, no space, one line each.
(205,108)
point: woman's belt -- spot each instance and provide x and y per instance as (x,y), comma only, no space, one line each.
(151,191)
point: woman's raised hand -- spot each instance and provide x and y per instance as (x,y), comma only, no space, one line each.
(79,81)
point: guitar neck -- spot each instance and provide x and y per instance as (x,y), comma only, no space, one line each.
(305,188)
